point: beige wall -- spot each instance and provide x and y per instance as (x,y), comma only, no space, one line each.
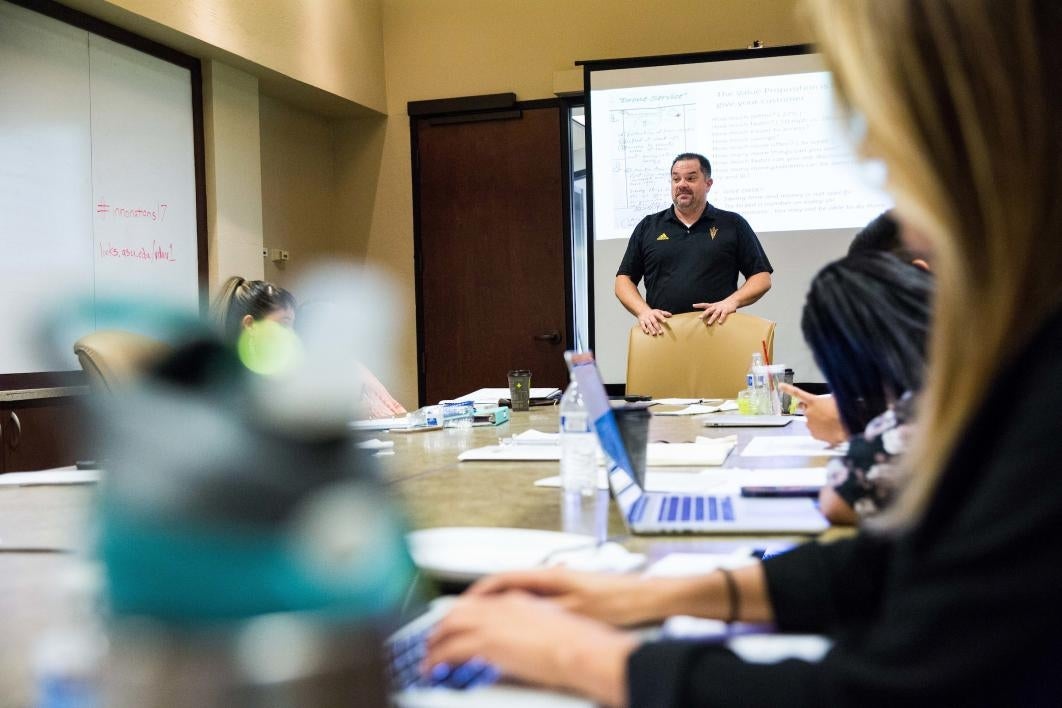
(447,48)
(328,46)
(298,185)
(233,173)
(319,183)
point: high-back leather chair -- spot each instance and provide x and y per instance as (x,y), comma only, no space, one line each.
(692,360)
(113,359)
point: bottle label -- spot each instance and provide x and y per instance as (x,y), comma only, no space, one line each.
(575,423)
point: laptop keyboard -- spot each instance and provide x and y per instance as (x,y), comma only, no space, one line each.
(684,508)
(406,650)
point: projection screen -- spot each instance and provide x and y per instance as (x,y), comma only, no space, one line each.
(780,157)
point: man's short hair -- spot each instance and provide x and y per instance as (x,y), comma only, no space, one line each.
(706,167)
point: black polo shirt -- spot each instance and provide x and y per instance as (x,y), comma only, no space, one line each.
(701,263)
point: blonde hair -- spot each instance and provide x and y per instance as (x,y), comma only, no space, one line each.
(960,101)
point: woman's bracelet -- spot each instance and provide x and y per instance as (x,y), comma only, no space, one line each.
(732,596)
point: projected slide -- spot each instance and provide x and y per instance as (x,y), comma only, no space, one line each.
(775,142)
(779,158)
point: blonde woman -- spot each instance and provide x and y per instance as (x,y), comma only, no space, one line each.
(955,602)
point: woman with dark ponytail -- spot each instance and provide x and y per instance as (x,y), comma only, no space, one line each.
(240,303)
(866,321)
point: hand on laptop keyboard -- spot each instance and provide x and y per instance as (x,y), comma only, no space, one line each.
(406,650)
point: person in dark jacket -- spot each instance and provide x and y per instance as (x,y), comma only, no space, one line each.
(954,600)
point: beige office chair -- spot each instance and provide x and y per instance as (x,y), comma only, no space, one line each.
(113,359)
(691,360)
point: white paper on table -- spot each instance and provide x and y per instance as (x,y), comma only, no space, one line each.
(706,451)
(679,565)
(606,558)
(534,445)
(512,453)
(791,446)
(722,480)
(688,401)
(700,408)
(376,444)
(493,395)
(724,420)
(534,437)
(380,423)
(58,476)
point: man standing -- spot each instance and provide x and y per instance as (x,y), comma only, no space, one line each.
(690,255)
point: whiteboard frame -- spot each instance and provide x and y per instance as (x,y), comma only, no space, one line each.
(152,48)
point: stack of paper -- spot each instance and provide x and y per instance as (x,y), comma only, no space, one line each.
(699,408)
(530,445)
(791,446)
(380,423)
(710,452)
(538,446)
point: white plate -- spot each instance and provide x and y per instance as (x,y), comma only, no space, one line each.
(463,554)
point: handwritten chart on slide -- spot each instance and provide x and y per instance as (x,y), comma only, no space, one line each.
(776,143)
(647,139)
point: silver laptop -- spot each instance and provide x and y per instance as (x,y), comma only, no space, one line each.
(664,512)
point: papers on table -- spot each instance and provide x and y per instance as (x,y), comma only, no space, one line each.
(512,453)
(380,423)
(723,420)
(402,424)
(688,401)
(790,446)
(493,395)
(59,476)
(699,408)
(717,481)
(379,447)
(534,445)
(705,451)
(681,565)
(530,445)
(533,437)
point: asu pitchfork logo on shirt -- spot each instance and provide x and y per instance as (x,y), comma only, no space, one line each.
(712,232)
(662,237)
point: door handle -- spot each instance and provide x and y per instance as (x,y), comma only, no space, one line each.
(552,336)
(17,437)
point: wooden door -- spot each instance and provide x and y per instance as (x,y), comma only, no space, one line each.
(491,250)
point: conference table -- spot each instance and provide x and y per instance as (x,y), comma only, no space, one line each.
(437,490)
(45,530)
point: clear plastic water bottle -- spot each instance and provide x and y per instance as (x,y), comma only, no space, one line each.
(578,464)
(756,385)
(578,443)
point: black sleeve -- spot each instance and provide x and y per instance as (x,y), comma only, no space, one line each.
(819,587)
(752,259)
(960,610)
(681,674)
(633,265)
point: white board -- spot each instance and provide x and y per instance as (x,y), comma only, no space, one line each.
(97,180)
